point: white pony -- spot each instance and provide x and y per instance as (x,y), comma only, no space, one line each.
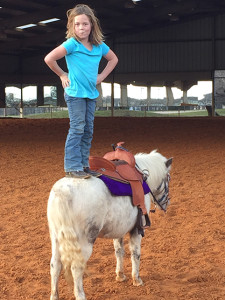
(80,210)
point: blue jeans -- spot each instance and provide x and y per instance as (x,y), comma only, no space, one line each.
(78,141)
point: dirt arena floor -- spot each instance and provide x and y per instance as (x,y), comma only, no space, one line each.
(183,253)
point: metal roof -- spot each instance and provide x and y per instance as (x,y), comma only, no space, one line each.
(117,17)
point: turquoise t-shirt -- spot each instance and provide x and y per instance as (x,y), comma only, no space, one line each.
(83,67)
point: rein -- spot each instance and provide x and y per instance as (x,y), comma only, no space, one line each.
(165,197)
(157,202)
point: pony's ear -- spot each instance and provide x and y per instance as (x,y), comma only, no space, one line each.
(169,162)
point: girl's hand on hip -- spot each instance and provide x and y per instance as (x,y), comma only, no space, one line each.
(65,80)
(99,79)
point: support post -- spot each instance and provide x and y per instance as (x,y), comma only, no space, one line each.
(21,101)
(213,95)
(112,98)
(169,95)
(123,95)
(2,96)
(214,64)
(185,98)
(148,95)
(40,95)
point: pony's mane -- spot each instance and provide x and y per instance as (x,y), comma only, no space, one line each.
(154,162)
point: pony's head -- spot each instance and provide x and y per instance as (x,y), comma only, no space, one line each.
(156,168)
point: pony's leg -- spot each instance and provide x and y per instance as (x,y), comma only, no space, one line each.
(55,269)
(78,269)
(135,249)
(119,252)
(77,273)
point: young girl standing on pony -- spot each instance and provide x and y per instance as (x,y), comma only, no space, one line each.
(83,51)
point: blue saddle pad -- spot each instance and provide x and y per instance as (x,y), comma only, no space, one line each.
(119,188)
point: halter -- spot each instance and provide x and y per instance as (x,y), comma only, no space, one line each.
(164,200)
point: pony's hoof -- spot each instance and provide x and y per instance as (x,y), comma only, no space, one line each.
(121,277)
(138,282)
(54,297)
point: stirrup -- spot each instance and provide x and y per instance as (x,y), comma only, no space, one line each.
(143,222)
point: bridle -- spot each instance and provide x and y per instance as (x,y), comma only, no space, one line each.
(162,188)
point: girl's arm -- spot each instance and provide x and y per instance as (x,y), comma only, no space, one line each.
(51,60)
(112,62)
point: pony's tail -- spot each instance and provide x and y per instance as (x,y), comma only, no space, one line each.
(70,251)
(61,223)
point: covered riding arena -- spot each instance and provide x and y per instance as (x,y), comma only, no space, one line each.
(183,255)
(183,250)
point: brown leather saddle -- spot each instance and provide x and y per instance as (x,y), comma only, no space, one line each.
(120,165)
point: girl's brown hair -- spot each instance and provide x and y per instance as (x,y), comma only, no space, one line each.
(96,36)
